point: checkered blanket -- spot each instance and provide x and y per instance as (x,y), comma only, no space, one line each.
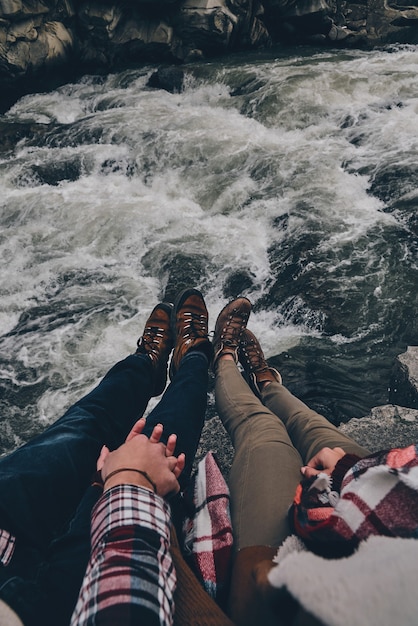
(208,533)
(379,496)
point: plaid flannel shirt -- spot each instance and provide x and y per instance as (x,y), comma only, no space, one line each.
(7,546)
(130,578)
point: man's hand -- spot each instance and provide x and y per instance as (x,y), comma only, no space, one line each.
(325,461)
(148,455)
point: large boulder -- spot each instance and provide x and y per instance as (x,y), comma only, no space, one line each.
(111,34)
(387,426)
(378,22)
(40,37)
(32,45)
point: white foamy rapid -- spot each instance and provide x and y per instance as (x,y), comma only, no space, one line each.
(254,157)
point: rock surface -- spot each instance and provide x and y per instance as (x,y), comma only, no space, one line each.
(39,37)
(384,427)
(404,388)
(387,426)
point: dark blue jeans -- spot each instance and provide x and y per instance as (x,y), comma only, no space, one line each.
(45,497)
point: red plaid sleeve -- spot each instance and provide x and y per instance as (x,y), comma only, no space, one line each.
(130,578)
(7,546)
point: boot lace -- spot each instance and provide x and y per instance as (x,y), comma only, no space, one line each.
(194,325)
(230,333)
(254,358)
(151,341)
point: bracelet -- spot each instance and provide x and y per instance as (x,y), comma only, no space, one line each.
(133,469)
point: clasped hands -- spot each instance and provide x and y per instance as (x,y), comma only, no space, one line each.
(325,462)
(148,455)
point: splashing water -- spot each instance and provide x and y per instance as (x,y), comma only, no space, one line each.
(289,179)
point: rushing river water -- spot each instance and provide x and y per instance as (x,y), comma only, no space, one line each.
(290,178)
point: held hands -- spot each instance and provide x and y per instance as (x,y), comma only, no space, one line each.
(150,456)
(325,461)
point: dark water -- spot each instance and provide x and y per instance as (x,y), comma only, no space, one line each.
(292,179)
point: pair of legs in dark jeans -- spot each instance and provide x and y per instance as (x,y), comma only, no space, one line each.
(45,498)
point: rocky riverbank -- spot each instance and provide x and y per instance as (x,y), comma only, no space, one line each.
(387,426)
(66,38)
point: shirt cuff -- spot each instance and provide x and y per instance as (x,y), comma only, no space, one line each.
(128,505)
(7,546)
(341,468)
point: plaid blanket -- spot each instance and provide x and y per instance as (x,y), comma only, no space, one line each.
(379,496)
(208,533)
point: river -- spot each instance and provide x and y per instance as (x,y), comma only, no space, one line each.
(289,176)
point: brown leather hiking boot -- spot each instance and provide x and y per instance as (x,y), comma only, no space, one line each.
(189,322)
(157,343)
(255,366)
(229,326)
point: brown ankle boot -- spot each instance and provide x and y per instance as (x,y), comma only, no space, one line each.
(229,326)
(157,343)
(189,321)
(254,363)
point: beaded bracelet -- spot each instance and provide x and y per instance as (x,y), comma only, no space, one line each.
(133,469)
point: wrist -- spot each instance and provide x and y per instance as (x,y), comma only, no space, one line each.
(131,476)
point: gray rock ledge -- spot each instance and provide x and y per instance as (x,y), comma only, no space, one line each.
(386,426)
(40,38)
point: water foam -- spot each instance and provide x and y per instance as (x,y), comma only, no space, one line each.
(262,169)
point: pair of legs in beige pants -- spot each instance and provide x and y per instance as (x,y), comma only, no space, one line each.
(273,439)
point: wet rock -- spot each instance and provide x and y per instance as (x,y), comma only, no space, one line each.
(39,36)
(13,132)
(32,46)
(390,182)
(52,173)
(237,283)
(169,78)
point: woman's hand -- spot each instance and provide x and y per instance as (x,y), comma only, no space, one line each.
(325,461)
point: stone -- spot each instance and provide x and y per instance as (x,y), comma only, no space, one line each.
(404,385)
(23,30)
(96,14)
(13,132)
(205,28)
(9,8)
(145,33)
(169,78)
(96,35)
(387,426)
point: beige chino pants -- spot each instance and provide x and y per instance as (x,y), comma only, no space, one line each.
(272,440)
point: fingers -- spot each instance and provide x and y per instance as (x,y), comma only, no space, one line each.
(317,460)
(171,445)
(140,452)
(156,434)
(181,462)
(102,456)
(324,461)
(309,472)
(137,429)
